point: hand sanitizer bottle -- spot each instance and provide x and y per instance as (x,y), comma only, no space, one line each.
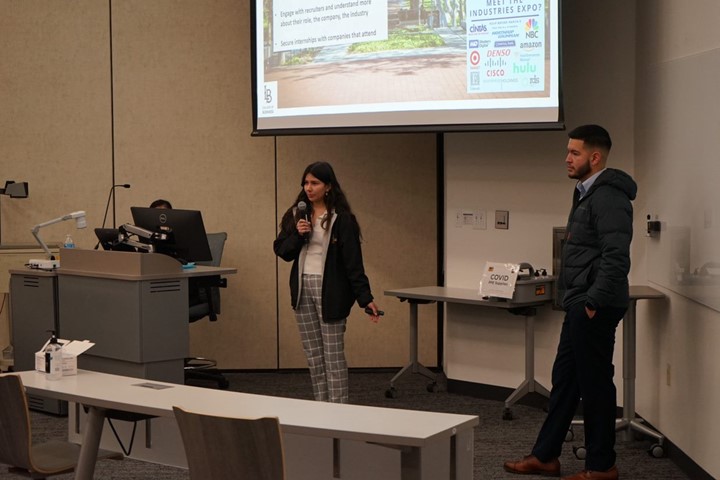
(53,359)
(69,242)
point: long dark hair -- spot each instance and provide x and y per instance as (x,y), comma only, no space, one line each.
(335,200)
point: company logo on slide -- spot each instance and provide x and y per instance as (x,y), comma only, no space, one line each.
(269,96)
(495,63)
(473,44)
(504,43)
(531,29)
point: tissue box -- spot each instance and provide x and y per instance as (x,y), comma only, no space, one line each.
(71,349)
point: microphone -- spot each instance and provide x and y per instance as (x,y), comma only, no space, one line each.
(302,209)
(107,206)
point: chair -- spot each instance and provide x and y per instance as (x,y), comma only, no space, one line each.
(224,448)
(205,302)
(16,448)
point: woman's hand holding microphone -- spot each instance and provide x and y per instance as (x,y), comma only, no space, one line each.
(303,227)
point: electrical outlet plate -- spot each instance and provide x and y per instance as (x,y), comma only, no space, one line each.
(502,219)
(480,220)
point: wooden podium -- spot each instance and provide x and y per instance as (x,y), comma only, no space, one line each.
(133,306)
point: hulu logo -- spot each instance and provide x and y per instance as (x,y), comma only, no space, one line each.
(527,67)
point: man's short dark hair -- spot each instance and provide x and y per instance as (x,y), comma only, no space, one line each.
(592,135)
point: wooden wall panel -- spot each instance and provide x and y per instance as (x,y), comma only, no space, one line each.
(55,116)
(54,120)
(183,117)
(178,114)
(390,183)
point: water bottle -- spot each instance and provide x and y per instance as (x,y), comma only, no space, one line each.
(53,358)
(69,242)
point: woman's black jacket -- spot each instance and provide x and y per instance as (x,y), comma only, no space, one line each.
(344,279)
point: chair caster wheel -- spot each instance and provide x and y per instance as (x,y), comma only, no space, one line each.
(580,452)
(570,435)
(507,414)
(656,450)
(391,393)
(433,387)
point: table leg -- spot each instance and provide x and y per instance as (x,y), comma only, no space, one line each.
(410,463)
(462,455)
(629,422)
(413,366)
(629,331)
(91,443)
(529,384)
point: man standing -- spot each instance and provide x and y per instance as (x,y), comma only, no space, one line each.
(595,265)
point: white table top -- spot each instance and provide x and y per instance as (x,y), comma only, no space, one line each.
(456,295)
(196,271)
(306,417)
(471,296)
(639,292)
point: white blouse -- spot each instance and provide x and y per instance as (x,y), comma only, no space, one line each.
(313,259)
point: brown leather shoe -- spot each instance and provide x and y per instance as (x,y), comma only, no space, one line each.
(611,474)
(530,465)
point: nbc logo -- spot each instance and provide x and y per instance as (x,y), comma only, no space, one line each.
(531,28)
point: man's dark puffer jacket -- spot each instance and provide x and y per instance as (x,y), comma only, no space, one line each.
(596,254)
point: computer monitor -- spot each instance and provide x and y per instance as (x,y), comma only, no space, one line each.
(108,239)
(187,240)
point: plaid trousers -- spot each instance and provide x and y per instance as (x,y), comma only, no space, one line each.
(323,343)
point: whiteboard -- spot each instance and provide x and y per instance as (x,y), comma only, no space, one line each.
(682,173)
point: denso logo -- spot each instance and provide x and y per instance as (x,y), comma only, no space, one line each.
(505,52)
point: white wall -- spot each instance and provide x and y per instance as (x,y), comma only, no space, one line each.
(677,167)
(646,70)
(525,174)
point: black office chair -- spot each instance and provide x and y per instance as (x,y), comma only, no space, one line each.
(205,302)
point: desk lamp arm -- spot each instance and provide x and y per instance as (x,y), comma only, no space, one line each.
(80,222)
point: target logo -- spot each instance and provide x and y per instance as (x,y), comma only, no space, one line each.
(474,57)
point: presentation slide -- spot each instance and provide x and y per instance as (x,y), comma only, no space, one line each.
(375,63)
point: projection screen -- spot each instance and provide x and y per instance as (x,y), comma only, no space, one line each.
(334,66)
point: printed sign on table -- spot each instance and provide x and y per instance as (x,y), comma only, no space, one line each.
(499,279)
